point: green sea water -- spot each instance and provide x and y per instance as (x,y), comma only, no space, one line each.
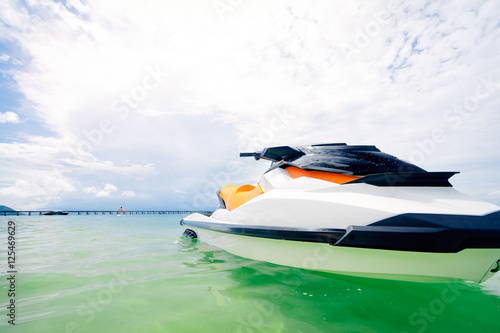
(134,273)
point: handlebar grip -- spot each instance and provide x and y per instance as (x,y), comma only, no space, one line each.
(250,155)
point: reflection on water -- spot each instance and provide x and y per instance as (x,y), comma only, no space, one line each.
(136,274)
(312,301)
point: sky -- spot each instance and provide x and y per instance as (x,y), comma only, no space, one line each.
(147,104)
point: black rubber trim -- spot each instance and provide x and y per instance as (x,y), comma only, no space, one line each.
(428,179)
(406,232)
(329,236)
(427,233)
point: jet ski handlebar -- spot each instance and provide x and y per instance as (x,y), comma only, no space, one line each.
(255,155)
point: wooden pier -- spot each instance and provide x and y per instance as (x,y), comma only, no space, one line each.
(103,212)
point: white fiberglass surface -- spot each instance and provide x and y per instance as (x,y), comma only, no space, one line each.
(340,206)
(470,264)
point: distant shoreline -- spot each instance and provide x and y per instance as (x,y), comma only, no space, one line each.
(98,212)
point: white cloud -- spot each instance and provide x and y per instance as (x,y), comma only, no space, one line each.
(78,5)
(9,117)
(105,191)
(494,194)
(128,194)
(36,189)
(4,58)
(169,92)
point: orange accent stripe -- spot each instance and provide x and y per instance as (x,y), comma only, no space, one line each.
(337,178)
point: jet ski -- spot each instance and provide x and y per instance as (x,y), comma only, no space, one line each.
(354,210)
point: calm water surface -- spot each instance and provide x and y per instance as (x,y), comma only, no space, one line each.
(136,274)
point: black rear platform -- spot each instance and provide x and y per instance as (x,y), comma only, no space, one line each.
(427,233)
